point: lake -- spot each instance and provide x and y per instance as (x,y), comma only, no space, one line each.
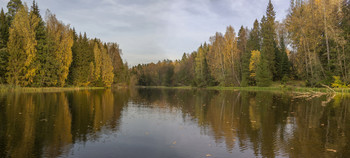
(169,123)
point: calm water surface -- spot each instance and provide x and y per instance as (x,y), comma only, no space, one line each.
(173,124)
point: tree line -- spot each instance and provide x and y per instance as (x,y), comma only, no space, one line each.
(311,44)
(37,52)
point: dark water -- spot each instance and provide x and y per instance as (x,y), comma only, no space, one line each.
(173,123)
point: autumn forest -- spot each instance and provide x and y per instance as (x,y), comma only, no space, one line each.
(310,45)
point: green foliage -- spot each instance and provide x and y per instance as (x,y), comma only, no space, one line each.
(202,73)
(263,74)
(3,64)
(13,7)
(4,30)
(41,47)
(34,52)
(285,64)
(185,70)
(253,43)
(82,57)
(268,34)
(119,69)
(4,35)
(285,79)
(245,55)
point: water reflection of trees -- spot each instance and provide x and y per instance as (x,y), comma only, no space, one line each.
(269,124)
(46,124)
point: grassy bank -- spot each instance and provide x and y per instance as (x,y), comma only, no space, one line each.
(8,88)
(273,88)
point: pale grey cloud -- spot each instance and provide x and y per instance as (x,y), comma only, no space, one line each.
(151,30)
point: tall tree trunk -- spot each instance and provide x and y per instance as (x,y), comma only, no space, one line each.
(326,34)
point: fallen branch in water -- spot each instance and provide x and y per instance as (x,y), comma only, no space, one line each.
(328,88)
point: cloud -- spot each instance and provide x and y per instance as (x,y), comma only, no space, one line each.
(151,30)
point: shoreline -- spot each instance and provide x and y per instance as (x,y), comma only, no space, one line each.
(272,89)
(7,88)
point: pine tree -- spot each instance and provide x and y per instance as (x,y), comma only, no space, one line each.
(21,48)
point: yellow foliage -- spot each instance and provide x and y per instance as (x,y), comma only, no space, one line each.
(98,58)
(62,41)
(107,69)
(103,70)
(254,61)
(21,47)
(338,83)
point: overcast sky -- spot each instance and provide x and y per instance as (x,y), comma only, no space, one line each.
(152,30)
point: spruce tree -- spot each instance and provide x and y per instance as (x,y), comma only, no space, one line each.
(4,30)
(254,41)
(202,73)
(12,7)
(268,49)
(278,64)
(80,68)
(285,64)
(253,44)
(4,35)
(242,47)
(42,46)
(263,75)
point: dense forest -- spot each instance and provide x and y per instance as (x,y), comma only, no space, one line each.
(37,52)
(311,45)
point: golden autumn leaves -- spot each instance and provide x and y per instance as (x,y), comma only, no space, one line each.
(22,50)
(48,62)
(21,47)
